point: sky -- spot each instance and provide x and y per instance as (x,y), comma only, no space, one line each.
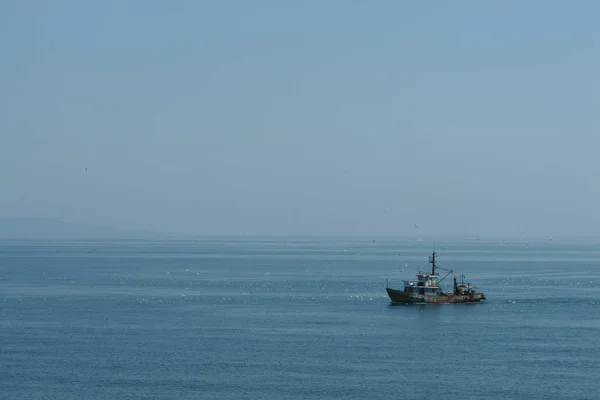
(312,117)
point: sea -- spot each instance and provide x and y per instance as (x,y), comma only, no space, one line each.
(296,318)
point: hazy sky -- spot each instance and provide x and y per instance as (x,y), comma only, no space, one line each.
(303,117)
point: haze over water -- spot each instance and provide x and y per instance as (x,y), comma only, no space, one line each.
(303,118)
(264,318)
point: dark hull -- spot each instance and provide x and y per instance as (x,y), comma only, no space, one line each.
(400,296)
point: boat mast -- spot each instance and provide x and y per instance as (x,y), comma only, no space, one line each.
(432,262)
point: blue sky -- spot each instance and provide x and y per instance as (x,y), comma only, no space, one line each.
(301,118)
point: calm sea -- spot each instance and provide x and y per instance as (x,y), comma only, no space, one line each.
(300,318)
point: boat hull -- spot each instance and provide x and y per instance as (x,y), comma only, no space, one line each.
(400,296)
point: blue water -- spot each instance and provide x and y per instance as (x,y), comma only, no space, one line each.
(295,319)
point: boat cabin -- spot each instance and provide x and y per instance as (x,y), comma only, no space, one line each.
(425,284)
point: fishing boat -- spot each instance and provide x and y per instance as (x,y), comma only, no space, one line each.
(426,289)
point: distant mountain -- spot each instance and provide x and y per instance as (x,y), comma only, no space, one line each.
(48,228)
